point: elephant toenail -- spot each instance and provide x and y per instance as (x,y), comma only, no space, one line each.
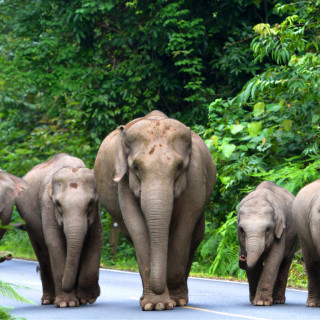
(72,304)
(63,305)
(160,306)
(148,307)
(170,306)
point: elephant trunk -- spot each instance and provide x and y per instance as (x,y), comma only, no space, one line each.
(75,232)
(255,246)
(157,204)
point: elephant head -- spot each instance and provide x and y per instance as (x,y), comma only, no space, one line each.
(74,197)
(154,153)
(10,187)
(261,220)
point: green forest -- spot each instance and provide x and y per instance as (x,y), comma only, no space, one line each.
(244,75)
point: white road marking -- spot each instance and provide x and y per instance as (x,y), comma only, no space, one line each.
(226,313)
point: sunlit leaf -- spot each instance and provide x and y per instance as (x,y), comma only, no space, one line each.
(227,149)
(287,124)
(258,109)
(236,128)
(254,128)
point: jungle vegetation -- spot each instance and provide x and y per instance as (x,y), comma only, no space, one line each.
(245,75)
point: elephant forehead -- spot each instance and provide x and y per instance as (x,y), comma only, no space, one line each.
(256,207)
(73,177)
(150,130)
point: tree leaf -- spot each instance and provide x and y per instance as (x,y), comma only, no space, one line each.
(254,128)
(236,128)
(227,149)
(259,109)
(287,124)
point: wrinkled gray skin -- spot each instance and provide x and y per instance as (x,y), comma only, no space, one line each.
(267,240)
(306,216)
(154,176)
(10,187)
(61,211)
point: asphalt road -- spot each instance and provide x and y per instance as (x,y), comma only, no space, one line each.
(120,292)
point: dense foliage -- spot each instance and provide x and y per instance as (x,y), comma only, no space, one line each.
(243,74)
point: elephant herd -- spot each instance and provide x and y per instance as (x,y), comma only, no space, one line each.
(155,176)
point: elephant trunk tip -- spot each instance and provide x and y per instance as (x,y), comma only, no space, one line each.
(251,262)
(67,286)
(158,288)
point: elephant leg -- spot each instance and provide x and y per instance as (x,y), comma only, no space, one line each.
(88,288)
(269,274)
(183,242)
(138,231)
(279,290)
(313,268)
(253,276)
(42,254)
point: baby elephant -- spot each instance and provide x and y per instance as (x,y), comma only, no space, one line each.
(61,211)
(306,216)
(10,187)
(267,240)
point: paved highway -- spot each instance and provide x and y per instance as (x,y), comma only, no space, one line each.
(120,292)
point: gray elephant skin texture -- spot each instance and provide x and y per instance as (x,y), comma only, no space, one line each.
(268,240)
(306,216)
(62,215)
(154,177)
(10,187)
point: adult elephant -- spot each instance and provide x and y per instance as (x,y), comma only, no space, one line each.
(306,216)
(10,187)
(155,176)
(62,216)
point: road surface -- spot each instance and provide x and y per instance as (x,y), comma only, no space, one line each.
(120,292)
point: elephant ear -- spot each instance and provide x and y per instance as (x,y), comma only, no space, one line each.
(279,217)
(121,156)
(49,190)
(14,184)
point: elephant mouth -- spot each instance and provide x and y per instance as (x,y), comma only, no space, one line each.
(243,262)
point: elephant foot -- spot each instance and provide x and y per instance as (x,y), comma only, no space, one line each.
(180,296)
(279,300)
(313,302)
(47,299)
(66,300)
(151,301)
(88,295)
(262,301)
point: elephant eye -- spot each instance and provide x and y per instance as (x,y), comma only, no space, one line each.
(241,229)
(90,204)
(180,166)
(268,229)
(135,167)
(58,204)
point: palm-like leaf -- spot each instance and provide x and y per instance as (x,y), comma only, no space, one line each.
(9,290)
